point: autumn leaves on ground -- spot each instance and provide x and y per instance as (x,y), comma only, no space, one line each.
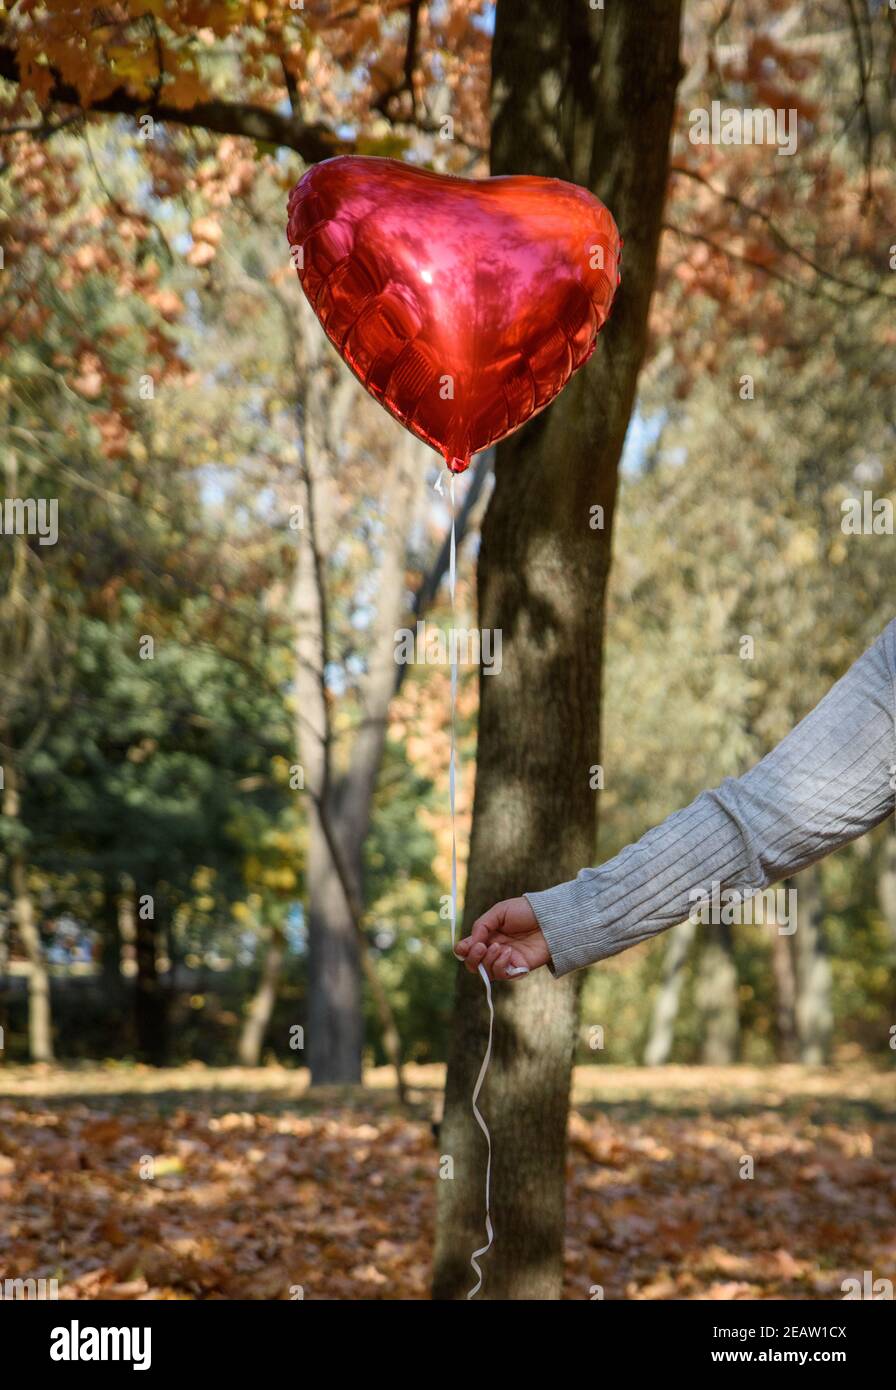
(200,1183)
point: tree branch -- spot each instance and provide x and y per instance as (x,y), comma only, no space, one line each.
(406,83)
(312,141)
(864,74)
(866,291)
(756,265)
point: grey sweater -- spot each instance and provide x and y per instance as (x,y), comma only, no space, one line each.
(831,779)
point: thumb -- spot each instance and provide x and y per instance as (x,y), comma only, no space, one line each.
(486,926)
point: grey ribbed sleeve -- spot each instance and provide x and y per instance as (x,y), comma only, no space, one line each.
(827,782)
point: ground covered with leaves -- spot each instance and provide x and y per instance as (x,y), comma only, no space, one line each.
(200,1183)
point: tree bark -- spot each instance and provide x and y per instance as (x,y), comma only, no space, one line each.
(814,1010)
(261,1008)
(127,925)
(25,658)
(335,1024)
(110,942)
(717,998)
(150,996)
(886,882)
(583,96)
(665,1008)
(40,1018)
(342,796)
(335,1033)
(785,994)
(4,982)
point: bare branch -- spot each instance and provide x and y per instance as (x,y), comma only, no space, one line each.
(865,291)
(810,290)
(312,141)
(863,68)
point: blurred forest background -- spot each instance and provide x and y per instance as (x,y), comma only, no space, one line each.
(225,834)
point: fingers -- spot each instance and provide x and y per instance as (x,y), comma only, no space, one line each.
(495,953)
(475,956)
(479,935)
(484,927)
(500,961)
(487,946)
(504,964)
(471,949)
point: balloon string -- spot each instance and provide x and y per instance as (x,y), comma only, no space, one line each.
(474,1258)
(452,761)
(452,775)
(452,786)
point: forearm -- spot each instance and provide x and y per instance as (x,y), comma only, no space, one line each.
(826,783)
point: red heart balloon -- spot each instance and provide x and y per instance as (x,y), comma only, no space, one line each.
(463,306)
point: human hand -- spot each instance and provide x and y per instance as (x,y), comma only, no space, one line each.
(506,940)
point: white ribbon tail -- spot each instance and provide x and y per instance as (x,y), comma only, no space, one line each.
(452,786)
(452,761)
(474,1258)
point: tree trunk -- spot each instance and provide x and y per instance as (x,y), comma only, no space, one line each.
(665,1008)
(717,998)
(578,95)
(814,1011)
(4,982)
(335,1023)
(336,962)
(886,882)
(150,997)
(25,658)
(785,994)
(262,1005)
(335,1034)
(127,926)
(40,1019)
(110,942)
(344,797)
